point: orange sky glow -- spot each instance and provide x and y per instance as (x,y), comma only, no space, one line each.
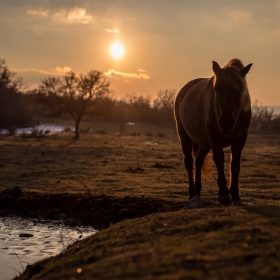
(165,43)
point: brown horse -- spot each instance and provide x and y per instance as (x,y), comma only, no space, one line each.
(213,114)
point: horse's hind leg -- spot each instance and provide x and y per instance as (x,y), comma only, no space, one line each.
(200,156)
(186,143)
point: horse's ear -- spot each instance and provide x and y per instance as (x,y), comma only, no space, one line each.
(216,68)
(244,71)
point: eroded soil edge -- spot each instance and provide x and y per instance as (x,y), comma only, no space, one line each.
(99,211)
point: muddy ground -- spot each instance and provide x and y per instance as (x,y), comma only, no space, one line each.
(73,209)
(132,185)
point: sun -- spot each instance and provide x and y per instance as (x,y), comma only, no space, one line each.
(117,50)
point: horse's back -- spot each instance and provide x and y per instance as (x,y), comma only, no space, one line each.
(190,109)
(185,90)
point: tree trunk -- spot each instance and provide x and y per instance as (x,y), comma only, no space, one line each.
(77,129)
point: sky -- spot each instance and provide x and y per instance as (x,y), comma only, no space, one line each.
(166,42)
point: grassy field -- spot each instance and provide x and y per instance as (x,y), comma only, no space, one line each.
(213,242)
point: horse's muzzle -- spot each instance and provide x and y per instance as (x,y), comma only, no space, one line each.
(226,123)
(226,132)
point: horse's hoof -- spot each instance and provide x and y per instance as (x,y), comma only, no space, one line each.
(194,202)
(238,203)
(225,199)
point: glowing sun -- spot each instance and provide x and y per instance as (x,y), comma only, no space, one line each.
(117,50)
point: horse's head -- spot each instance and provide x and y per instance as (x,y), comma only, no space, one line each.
(231,93)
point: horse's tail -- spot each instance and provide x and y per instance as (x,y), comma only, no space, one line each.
(206,169)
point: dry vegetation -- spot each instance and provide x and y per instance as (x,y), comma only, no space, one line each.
(214,242)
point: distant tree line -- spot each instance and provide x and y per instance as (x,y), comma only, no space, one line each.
(264,119)
(89,95)
(138,108)
(14,105)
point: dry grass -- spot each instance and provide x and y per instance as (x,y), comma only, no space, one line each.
(213,243)
(217,243)
(122,164)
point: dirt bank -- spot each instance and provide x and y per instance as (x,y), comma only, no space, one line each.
(207,243)
(74,209)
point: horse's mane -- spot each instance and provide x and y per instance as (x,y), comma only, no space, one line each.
(237,63)
(232,76)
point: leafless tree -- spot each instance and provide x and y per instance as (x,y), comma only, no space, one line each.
(9,78)
(13,103)
(164,104)
(75,94)
(262,118)
(139,107)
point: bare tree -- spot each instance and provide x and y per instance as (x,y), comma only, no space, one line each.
(139,107)
(261,116)
(164,104)
(9,78)
(13,103)
(75,94)
(165,99)
(6,75)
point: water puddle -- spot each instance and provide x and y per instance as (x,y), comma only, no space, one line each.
(42,129)
(45,240)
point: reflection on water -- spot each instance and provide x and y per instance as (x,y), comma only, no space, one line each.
(48,240)
(42,129)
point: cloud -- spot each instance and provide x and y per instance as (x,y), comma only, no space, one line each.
(57,71)
(142,74)
(112,30)
(63,70)
(240,17)
(40,13)
(74,15)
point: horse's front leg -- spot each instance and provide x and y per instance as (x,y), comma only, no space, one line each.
(224,196)
(236,150)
